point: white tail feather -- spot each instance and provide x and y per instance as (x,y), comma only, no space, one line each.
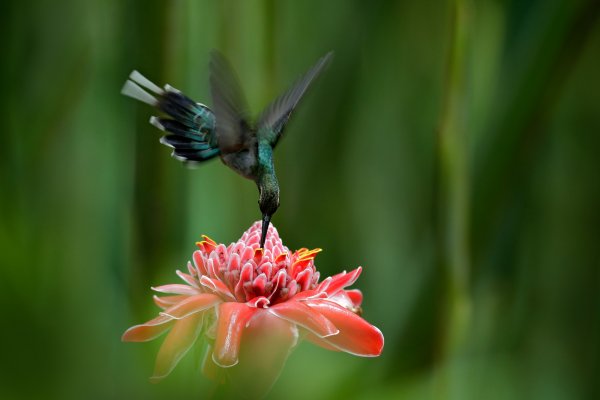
(170,88)
(164,141)
(155,122)
(134,91)
(144,82)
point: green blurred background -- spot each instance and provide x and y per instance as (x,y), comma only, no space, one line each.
(451,149)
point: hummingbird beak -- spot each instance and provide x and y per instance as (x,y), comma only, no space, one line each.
(265,227)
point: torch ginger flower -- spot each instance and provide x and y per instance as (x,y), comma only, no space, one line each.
(245,299)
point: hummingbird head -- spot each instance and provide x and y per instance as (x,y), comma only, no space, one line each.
(268,202)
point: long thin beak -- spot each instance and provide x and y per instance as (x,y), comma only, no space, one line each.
(265,227)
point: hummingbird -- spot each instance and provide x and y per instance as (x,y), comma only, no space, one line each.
(197,133)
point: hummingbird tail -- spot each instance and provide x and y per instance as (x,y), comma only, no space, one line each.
(191,125)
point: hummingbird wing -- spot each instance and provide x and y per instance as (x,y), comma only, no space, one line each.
(233,131)
(190,126)
(273,119)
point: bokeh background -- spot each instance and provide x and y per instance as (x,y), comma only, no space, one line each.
(451,149)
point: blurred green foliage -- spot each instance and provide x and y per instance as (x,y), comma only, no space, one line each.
(450,149)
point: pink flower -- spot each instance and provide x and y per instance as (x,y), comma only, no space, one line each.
(249,301)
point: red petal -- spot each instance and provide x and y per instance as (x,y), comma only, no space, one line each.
(191,305)
(199,262)
(343,280)
(258,255)
(232,320)
(281,258)
(356,335)
(209,240)
(177,289)
(356,296)
(176,344)
(148,331)
(216,286)
(301,314)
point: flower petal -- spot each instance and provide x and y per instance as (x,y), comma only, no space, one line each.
(350,299)
(187,278)
(310,294)
(301,314)
(199,263)
(266,345)
(216,286)
(191,305)
(176,344)
(356,335)
(231,321)
(149,330)
(342,280)
(258,302)
(355,296)
(168,301)
(211,370)
(177,288)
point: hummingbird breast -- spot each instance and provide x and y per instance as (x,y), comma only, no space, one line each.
(243,162)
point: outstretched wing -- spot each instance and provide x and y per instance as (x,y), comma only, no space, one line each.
(191,126)
(229,105)
(273,119)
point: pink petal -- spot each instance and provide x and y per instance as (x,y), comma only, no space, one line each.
(322,287)
(304,278)
(187,278)
(148,331)
(343,280)
(266,345)
(231,322)
(216,286)
(310,294)
(259,284)
(356,335)
(191,305)
(176,344)
(234,262)
(279,281)
(246,275)
(167,301)
(301,314)
(177,288)
(320,342)
(349,299)
(247,254)
(259,302)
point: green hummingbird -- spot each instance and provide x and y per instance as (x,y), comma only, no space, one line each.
(196,133)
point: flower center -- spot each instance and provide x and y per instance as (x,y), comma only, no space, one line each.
(247,273)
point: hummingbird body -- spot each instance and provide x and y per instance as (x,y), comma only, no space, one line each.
(196,133)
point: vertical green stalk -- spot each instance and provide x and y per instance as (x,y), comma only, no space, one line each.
(453,189)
